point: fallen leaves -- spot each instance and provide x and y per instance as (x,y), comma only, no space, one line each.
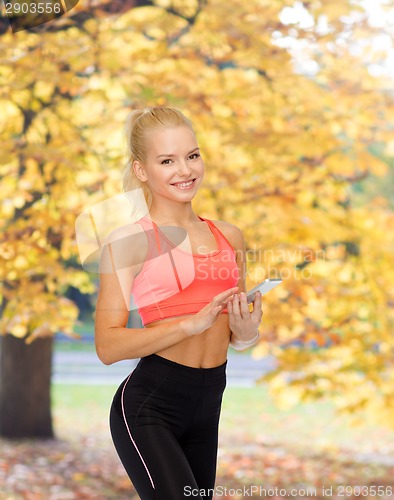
(86,467)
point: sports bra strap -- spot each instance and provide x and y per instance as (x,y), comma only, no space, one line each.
(149,227)
(157,236)
(156,241)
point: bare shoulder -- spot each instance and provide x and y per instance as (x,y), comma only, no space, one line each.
(232,232)
(126,245)
(121,233)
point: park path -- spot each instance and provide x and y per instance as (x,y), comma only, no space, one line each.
(85,368)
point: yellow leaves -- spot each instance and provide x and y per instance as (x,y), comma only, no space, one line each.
(376,166)
(222,110)
(285,395)
(17,325)
(277,124)
(315,308)
(345,274)
(40,331)
(10,118)
(78,476)
(385,347)
(154,22)
(336,127)
(38,315)
(6,251)
(305,198)
(274,143)
(20,262)
(340,163)
(389,148)
(296,329)
(44,90)
(324,269)
(81,281)
(18,330)
(18,201)
(261,350)
(363,311)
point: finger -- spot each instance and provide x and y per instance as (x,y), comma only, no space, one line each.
(217,309)
(257,311)
(257,300)
(244,305)
(256,314)
(236,309)
(224,296)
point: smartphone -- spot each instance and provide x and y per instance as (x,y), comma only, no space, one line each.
(263,287)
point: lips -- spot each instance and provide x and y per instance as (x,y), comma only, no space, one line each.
(184,184)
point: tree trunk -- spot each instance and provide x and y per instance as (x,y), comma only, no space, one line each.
(25,383)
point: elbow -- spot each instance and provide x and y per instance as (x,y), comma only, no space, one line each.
(106,362)
(102,355)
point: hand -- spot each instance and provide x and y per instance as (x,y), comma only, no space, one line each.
(244,323)
(208,314)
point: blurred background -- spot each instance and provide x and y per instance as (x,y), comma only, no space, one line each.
(293,106)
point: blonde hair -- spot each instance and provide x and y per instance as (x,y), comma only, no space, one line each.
(137,124)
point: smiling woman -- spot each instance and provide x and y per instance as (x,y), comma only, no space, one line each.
(181,167)
(165,415)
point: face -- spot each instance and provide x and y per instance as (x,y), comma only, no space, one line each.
(172,161)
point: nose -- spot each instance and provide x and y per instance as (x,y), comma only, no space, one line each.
(184,168)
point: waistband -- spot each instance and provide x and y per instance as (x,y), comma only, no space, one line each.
(181,373)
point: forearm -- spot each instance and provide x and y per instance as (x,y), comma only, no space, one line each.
(118,343)
(243,343)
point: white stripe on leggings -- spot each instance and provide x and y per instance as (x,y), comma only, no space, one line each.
(131,437)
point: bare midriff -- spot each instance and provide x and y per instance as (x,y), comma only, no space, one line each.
(205,350)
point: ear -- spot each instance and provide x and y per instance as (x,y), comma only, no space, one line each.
(139,171)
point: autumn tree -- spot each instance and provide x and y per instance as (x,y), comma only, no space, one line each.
(282,146)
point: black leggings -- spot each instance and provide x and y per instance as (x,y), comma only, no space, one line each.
(164,423)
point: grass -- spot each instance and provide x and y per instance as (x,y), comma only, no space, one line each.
(248,415)
(251,415)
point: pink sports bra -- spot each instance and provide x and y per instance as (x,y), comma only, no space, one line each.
(173,282)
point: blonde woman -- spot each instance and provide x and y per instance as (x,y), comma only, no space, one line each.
(164,416)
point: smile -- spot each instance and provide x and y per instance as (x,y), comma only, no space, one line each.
(184,185)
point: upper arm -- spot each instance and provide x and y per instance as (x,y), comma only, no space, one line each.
(119,264)
(237,241)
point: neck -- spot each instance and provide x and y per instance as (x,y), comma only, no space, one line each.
(178,214)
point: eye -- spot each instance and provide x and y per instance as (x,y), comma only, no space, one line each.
(194,156)
(164,162)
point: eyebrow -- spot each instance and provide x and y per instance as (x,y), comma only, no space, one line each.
(172,155)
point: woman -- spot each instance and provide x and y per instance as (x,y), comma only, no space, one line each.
(164,416)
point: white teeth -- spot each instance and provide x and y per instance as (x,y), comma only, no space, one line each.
(183,184)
